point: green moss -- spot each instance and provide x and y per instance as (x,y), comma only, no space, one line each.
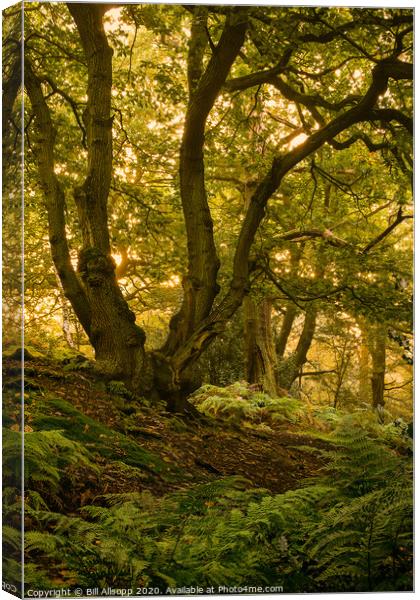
(57,414)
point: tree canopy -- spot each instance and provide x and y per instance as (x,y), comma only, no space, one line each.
(180,159)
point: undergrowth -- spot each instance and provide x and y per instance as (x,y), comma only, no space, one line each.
(241,402)
(348,530)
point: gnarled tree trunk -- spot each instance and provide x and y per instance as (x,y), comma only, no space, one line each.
(93,291)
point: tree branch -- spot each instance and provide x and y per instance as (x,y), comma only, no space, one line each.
(260,77)
(392,114)
(399,219)
(71,102)
(316,373)
(92,196)
(281,165)
(200,286)
(307,234)
(55,200)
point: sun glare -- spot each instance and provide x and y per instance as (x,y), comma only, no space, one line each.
(297,141)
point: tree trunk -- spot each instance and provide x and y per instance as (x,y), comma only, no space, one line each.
(93,291)
(12,79)
(286,328)
(378,354)
(342,365)
(288,369)
(117,340)
(200,284)
(66,315)
(291,309)
(260,352)
(364,366)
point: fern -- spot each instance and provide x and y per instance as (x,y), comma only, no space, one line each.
(11,537)
(360,538)
(46,454)
(350,528)
(41,542)
(240,402)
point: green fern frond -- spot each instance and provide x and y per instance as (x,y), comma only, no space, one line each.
(12,537)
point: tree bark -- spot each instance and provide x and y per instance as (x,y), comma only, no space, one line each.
(364,366)
(289,368)
(11,84)
(118,341)
(285,331)
(378,339)
(55,200)
(66,313)
(260,352)
(291,309)
(200,284)
(93,291)
(342,365)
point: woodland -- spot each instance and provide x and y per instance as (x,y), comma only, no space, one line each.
(217,275)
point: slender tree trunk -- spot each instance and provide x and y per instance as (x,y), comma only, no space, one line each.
(378,354)
(259,345)
(288,369)
(291,309)
(341,372)
(364,364)
(66,315)
(285,331)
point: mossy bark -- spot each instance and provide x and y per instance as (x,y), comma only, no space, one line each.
(260,356)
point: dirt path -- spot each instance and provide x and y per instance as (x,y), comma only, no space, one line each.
(198,451)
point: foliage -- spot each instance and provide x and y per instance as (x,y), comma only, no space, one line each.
(49,458)
(240,401)
(57,414)
(365,540)
(222,362)
(118,388)
(47,453)
(348,530)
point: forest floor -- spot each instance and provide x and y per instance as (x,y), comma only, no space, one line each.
(111,483)
(139,448)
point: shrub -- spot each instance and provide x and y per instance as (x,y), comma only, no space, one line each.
(241,402)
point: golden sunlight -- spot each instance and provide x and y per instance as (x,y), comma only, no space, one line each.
(297,141)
